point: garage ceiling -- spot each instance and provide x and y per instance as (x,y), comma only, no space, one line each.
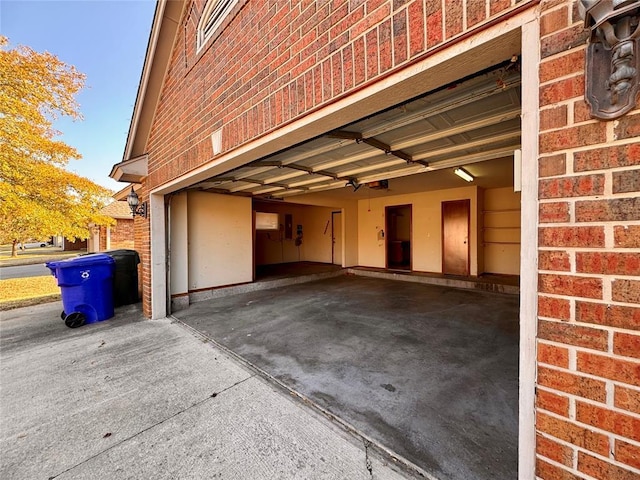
(473,123)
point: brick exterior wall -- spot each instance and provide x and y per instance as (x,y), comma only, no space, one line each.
(142,241)
(122,235)
(102,238)
(588,395)
(278,61)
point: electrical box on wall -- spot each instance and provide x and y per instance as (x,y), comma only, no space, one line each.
(299,235)
(288,226)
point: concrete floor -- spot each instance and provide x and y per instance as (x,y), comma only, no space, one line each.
(429,372)
(129,399)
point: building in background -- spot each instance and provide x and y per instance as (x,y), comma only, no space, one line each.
(111,237)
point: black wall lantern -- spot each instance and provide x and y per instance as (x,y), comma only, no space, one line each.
(612,60)
(135,206)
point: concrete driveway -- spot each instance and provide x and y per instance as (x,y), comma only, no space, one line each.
(136,399)
(429,372)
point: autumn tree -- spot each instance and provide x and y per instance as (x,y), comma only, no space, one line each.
(38,196)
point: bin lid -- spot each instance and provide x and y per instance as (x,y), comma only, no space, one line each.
(124,253)
(121,251)
(82,261)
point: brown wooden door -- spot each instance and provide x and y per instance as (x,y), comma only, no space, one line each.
(455,237)
(398,236)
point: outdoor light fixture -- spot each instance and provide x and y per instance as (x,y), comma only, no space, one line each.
(462,173)
(133,201)
(612,56)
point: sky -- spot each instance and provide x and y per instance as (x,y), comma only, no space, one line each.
(107,41)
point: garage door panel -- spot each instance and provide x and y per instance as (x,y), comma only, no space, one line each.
(415,130)
(484,106)
(511,125)
(349,149)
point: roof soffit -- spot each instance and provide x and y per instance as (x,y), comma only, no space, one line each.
(132,171)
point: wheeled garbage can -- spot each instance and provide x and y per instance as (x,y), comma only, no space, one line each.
(86,286)
(125,276)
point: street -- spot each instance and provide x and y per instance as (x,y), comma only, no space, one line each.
(20,271)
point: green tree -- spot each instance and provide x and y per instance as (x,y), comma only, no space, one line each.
(38,197)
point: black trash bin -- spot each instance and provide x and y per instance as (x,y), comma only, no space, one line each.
(125,277)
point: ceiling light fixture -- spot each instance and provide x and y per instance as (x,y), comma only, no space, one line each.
(462,173)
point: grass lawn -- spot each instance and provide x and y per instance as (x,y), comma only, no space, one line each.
(22,292)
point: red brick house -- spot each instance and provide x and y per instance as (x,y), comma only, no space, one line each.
(112,237)
(75,245)
(245,106)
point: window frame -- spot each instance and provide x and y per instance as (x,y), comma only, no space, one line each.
(264,221)
(215,15)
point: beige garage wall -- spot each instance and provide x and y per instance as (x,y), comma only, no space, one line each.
(426,242)
(349,222)
(220,240)
(272,247)
(501,231)
(178,244)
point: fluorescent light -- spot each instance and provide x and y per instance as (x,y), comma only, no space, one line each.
(462,173)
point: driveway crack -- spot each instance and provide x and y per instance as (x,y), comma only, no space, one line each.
(367,460)
(186,409)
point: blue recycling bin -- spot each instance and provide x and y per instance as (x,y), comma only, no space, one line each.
(86,286)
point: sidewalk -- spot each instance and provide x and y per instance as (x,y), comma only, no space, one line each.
(137,399)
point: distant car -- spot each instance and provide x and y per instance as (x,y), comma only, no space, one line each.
(33,245)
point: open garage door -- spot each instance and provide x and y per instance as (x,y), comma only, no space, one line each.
(466,123)
(460,136)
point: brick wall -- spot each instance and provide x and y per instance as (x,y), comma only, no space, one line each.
(588,395)
(277,61)
(121,234)
(142,235)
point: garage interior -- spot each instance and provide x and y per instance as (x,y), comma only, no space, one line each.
(428,371)
(425,186)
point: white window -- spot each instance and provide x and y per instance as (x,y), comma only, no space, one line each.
(215,12)
(267,221)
